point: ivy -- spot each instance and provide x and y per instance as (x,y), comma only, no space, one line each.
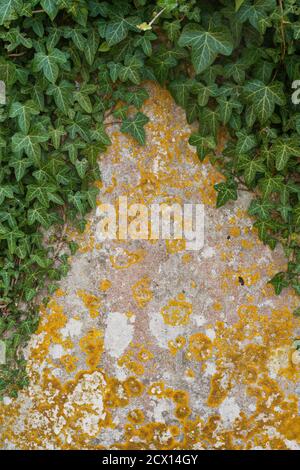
(71,68)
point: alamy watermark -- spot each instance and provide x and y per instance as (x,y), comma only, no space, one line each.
(2,352)
(296,93)
(157,221)
(2,93)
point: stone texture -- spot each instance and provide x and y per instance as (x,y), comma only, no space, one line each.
(148,345)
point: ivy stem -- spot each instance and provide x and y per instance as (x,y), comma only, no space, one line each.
(106,124)
(283,47)
(156,16)
(17,54)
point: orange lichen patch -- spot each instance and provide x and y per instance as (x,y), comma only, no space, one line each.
(190,373)
(104,285)
(249,361)
(157,434)
(133,387)
(176,345)
(177,312)
(290,367)
(217,306)
(59,293)
(109,189)
(247,244)
(175,246)
(128,259)
(206,190)
(180,396)
(69,362)
(200,347)
(141,292)
(92,345)
(134,359)
(182,412)
(149,183)
(136,416)
(157,389)
(91,302)
(49,330)
(234,231)
(250,276)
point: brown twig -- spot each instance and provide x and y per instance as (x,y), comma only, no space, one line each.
(283,47)
(106,124)
(17,54)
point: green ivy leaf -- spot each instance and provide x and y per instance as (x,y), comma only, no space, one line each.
(81,167)
(24,111)
(48,63)
(226,191)
(264,97)
(135,127)
(50,7)
(283,150)
(206,45)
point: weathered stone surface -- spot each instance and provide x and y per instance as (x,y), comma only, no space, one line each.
(148,345)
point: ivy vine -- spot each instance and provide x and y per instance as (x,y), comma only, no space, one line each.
(66,64)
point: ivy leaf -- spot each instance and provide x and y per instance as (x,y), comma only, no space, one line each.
(99,134)
(130,71)
(79,126)
(92,197)
(261,208)
(203,144)
(55,135)
(30,143)
(91,46)
(77,201)
(48,63)
(38,214)
(76,34)
(264,227)
(20,166)
(6,192)
(296,215)
(50,7)
(226,191)
(40,193)
(11,238)
(264,97)
(137,97)
(117,29)
(135,127)
(62,94)
(245,142)
(145,42)
(206,45)
(84,100)
(204,92)
(210,120)
(9,10)
(7,71)
(24,111)
(81,167)
(279,282)
(256,12)
(283,150)
(251,167)
(271,184)
(180,90)
(173,29)
(238,4)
